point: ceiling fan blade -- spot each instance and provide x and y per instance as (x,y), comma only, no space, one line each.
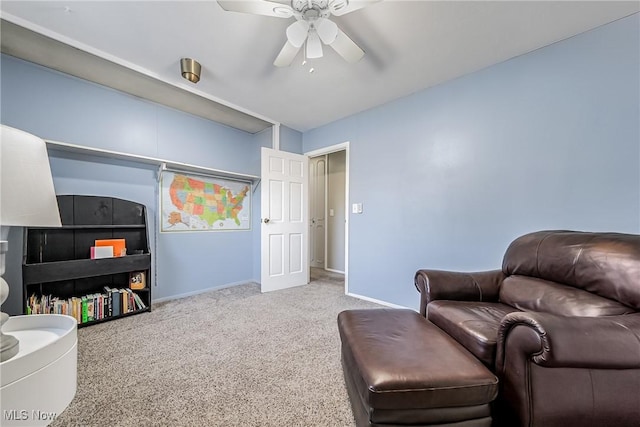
(347,48)
(327,30)
(297,33)
(257,7)
(286,55)
(341,7)
(314,47)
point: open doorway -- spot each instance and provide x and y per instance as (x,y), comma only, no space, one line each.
(328,212)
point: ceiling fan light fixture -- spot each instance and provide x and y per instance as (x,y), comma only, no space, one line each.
(314,46)
(327,30)
(297,33)
(190,69)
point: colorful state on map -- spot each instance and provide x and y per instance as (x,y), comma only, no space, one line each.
(207,201)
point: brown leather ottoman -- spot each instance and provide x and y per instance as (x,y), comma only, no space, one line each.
(402,370)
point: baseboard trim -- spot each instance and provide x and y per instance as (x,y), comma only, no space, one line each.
(377,301)
(199,291)
(229,285)
(334,271)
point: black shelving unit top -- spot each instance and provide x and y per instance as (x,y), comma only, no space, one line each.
(94,210)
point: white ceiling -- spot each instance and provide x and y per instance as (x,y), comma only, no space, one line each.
(409,45)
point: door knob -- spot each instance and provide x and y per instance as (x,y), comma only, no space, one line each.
(266,220)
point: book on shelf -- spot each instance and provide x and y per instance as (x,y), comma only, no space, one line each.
(76,310)
(123,300)
(116,302)
(84,317)
(108,307)
(101,252)
(90,309)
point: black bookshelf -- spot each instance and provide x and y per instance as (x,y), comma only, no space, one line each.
(57,261)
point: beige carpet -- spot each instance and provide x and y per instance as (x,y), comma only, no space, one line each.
(231,357)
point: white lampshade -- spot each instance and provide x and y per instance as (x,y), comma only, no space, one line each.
(27,196)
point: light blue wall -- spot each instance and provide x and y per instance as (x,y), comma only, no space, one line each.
(290,140)
(450,175)
(63,108)
(59,107)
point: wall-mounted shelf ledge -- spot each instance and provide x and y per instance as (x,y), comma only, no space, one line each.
(97,227)
(163,163)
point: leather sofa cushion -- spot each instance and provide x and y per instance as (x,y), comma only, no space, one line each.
(473,324)
(399,360)
(606,264)
(531,294)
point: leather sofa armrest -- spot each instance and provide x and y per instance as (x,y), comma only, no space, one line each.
(450,285)
(611,342)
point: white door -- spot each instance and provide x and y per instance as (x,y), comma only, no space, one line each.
(317,194)
(284,229)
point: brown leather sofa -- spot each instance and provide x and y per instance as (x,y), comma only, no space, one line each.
(559,325)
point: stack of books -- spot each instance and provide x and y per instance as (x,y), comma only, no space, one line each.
(88,308)
(108,248)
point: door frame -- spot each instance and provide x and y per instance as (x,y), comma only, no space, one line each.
(344,146)
(325,202)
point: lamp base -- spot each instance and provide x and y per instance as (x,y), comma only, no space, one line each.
(9,347)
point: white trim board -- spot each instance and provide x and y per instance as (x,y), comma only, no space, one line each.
(275,136)
(166,164)
(328,150)
(377,301)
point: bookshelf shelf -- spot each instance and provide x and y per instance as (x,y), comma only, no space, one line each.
(59,275)
(81,268)
(107,319)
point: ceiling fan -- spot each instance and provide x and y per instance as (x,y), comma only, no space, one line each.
(312,25)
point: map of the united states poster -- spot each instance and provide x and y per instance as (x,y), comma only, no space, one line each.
(194,203)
